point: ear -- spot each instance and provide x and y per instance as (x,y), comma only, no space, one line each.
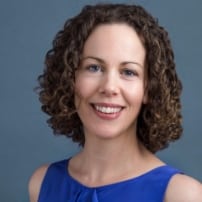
(145,98)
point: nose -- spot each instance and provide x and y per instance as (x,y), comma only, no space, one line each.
(109,85)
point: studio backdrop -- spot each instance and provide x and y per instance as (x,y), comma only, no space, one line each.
(27,28)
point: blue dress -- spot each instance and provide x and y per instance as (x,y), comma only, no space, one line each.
(59,186)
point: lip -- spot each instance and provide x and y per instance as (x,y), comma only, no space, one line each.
(104,104)
(106,114)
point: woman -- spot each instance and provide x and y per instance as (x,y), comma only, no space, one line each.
(110,84)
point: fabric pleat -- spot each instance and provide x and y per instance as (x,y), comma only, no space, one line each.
(59,186)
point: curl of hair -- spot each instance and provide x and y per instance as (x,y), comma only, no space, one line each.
(159,121)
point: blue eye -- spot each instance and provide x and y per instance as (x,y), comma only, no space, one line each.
(94,68)
(128,72)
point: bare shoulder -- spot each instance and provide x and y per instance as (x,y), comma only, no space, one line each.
(183,188)
(35,182)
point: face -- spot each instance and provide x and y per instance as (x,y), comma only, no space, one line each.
(110,82)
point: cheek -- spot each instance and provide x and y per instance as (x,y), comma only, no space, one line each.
(84,88)
(135,95)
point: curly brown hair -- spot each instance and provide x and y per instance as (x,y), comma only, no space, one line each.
(159,121)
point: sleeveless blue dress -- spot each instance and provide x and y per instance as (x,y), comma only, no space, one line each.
(59,186)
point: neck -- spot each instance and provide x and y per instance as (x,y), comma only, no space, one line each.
(109,151)
(108,160)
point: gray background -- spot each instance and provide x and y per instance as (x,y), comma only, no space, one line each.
(27,28)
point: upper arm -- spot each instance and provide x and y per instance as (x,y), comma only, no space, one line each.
(183,188)
(35,183)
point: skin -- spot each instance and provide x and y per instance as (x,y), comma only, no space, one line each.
(111,77)
(107,72)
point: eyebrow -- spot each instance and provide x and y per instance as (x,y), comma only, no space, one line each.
(103,62)
(94,58)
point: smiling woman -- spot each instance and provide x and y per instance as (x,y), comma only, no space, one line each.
(110,84)
(103,81)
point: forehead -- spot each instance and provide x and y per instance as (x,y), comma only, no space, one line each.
(105,30)
(114,40)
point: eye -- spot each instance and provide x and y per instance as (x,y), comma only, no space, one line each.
(94,68)
(129,72)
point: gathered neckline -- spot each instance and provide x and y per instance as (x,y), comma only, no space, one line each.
(121,182)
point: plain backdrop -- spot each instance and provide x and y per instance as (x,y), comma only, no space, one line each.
(27,28)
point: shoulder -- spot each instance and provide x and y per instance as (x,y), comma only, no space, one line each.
(183,188)
(35,182)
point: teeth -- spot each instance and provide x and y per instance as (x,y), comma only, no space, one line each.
(108,110)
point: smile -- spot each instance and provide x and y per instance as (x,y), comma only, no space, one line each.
(107,110)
